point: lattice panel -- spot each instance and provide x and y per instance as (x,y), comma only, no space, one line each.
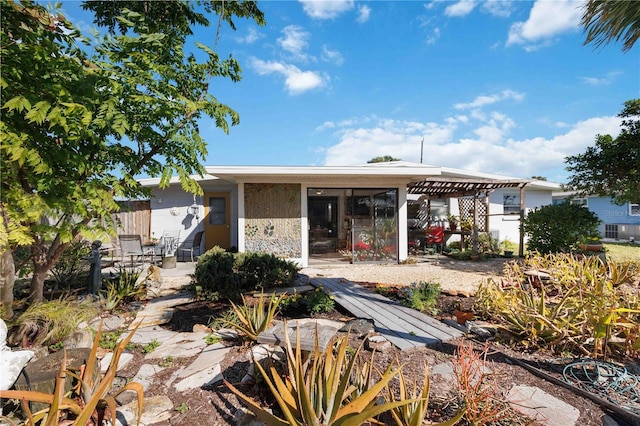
(465,206)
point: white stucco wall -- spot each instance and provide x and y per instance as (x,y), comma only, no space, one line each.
(170,210)
(508,226)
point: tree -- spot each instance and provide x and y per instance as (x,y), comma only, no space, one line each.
(611,168)
(383,159)
(78,129)
(558,227)
(611,20)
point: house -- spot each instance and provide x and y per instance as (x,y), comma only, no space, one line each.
(355,213)
(619,222)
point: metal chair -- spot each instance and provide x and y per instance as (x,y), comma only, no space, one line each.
(195,244)
(131,245)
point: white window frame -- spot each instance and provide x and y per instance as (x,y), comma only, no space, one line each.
(511,208)
(582,201)
(633,206)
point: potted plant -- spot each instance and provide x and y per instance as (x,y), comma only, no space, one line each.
(453,221)
(466,224)
(590,242)
(508,247)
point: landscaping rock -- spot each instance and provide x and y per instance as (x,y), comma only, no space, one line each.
(201,328)
(204,378)
(538,405)
(179,345)
(377,343)
(79,339)
(125,357)
(244,417)
(359,327)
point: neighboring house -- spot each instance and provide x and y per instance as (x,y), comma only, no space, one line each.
(356,213)
(619,222)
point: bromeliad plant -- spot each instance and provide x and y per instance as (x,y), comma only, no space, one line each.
(86,403)
(318,389)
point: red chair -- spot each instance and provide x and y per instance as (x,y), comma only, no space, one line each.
(435,237)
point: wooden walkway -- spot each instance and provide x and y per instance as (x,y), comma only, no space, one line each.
(404,327)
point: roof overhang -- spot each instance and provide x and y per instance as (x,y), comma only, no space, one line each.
(307,173)
(452,187)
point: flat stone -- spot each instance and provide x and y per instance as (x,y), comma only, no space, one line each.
(125,357)
(538,405)
(307,327)
(156,409)
(171,301)
(147,335)
(151,317)
(203,378)
(146,374)
(109,323)
(444,370)
(377,343)
(211,355)
(359,327)
(180,345)
(201,328)
(226,334)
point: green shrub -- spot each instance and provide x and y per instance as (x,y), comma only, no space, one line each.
(305,304)
(72,269)
(221,274)
(263,270)
(214,277)
(420,296)
(557,228)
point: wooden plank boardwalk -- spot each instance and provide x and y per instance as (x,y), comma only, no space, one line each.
(404,327)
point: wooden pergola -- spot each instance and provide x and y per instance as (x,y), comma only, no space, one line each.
(442,187)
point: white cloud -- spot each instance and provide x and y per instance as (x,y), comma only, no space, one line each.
(296,80)
(461,8)
(318,9)
(547,19)
(364,12)
(332,56)
(481,101)
(490,149)
(252,36)
(434,36)
(294,41)
(501,8)
(601,81)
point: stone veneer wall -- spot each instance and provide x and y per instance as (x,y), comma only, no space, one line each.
(273,219)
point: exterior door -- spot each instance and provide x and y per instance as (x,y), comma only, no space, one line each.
(217,228)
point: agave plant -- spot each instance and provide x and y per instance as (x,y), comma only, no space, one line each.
(414,413)
(318,389)
(255,318)
(81,403)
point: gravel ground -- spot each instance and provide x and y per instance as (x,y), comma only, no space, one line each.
(454,276)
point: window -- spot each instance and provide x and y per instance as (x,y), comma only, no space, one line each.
(511,203)
(634,209)
(579,202)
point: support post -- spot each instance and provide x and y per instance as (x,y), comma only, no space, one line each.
(521,241)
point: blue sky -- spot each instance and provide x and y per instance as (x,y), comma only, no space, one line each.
(495,86)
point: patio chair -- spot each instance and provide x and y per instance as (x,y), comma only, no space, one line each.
(131,245)
(435,237)
(195,244)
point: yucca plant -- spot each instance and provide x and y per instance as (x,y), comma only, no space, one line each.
(254,318)
(318,389)
(85,402)
(414,413)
